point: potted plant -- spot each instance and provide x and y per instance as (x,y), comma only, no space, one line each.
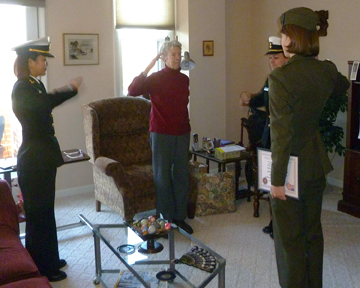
(332,134)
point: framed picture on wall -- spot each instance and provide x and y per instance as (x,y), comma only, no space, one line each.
(208,48)
(81,49)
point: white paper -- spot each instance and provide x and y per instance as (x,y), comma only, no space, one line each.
(264,173)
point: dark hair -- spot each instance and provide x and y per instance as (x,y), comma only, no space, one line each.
(21,66)
(303,42)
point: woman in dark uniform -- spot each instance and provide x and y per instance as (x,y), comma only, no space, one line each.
(39,154)
(298,92)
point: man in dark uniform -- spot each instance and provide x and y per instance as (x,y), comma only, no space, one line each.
(39,154)
(261,134)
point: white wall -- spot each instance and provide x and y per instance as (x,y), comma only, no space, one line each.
(81,16)
(340,45)
(208,79)
(239,29)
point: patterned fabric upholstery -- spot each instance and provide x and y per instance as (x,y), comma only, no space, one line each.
(215,194)
(117,141)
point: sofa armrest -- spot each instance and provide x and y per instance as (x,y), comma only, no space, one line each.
(8,210)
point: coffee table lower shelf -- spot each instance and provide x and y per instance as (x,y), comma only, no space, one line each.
(184,241)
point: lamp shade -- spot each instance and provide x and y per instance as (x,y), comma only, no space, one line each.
(187,63)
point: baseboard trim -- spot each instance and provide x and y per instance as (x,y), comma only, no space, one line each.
(74,191)
(335,182)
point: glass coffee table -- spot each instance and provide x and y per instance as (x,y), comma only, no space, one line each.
(158,258)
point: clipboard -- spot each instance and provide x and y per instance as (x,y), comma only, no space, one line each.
(264,173)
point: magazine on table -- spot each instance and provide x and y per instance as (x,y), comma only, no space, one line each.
(128,280)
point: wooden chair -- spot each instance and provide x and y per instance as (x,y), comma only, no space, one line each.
(254,142)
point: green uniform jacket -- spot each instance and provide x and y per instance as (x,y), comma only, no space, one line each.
(298,92)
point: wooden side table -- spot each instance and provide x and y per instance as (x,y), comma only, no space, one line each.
(8,166)
(74,155)
(222,168)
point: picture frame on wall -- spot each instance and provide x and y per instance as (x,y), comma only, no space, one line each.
(81,49)
(208,48)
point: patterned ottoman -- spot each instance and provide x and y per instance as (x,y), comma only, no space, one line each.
(215,193)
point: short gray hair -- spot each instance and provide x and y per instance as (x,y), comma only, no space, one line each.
(167,45)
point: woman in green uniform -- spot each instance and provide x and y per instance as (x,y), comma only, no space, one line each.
(298,92)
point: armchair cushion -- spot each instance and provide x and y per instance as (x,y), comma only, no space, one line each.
(135,178)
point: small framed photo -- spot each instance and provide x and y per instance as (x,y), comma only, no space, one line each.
(81,49)
(208,48)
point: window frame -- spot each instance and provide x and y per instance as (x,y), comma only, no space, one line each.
(121,87)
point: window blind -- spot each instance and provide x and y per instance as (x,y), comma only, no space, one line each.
(31,3)
(154,14)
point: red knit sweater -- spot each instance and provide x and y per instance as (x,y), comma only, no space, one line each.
(169,95)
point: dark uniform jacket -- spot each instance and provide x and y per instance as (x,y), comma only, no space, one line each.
(33,106)
(262,100)
(298,92)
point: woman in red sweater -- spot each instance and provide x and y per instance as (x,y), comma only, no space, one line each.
(169,131)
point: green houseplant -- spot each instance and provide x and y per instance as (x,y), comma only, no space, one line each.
(332,134)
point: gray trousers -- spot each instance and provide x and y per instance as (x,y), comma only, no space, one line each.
(170,157)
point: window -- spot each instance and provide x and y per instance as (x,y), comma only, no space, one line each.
(25,25)
(142,26)
(137,47)
(155,14)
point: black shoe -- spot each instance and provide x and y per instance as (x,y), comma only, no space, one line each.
(183,225)
(60,275)
(62,263)
(267,229)
(272,235)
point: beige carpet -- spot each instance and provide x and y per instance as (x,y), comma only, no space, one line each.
(249,253)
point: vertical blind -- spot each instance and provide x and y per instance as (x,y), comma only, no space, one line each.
(31,3)
(154,14)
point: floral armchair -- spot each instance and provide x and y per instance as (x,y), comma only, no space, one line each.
(117,141)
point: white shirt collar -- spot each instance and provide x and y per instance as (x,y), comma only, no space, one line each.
(37,80)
